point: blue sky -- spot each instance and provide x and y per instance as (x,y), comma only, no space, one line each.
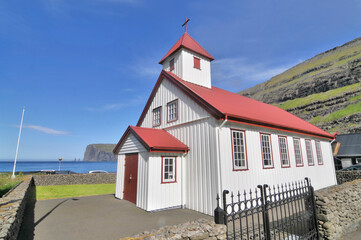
(84,69)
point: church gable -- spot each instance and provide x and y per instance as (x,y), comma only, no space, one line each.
(170,106)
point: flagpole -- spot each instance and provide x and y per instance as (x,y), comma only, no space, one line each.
(17,147)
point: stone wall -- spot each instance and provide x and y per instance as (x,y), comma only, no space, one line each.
(347,176)
(338,209)
(12,207)
(195,230)
(69,179)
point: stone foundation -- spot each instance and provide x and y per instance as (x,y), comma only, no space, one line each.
(12,207)
(69,179)
(195,230)
(338,208)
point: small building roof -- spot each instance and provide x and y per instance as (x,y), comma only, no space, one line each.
(154,140)
(223,104)
(350,145)
(187,42)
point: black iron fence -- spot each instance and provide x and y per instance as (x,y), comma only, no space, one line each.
(285,211)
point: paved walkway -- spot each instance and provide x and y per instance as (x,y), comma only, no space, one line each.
(95,217)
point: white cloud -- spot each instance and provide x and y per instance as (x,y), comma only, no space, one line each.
(117,106)
(238,72)
(145,67)
(44,129)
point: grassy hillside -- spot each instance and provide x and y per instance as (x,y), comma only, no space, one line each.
(105,147)
(324,90)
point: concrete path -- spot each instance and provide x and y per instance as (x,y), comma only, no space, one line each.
(95,217)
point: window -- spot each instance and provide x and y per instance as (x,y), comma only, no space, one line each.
(197,63)
(309,152)
(239,150)
(319,153)
(284,151)
(171,65)
(266,150)
(157,116)
(169,169)
(172,111)
(298,152)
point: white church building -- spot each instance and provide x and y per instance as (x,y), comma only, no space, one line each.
(194,140)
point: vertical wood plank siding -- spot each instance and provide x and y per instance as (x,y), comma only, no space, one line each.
(143,179)
(200,164)
(131,145)
(188,109)
(178,66)
(239,180)
(120,177)
(200,76)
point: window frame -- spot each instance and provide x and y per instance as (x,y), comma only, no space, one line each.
(271,151)
(288,154)
(171,66)
(177,106)
(196,59)
(237,168)
(318,160)
(294,149)
(174,180)
(313,161)
(160,116)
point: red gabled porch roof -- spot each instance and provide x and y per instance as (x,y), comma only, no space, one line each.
(154,140)
(223,104)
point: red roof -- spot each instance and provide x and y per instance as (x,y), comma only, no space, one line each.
(188,42)
(223,104)
(154,140)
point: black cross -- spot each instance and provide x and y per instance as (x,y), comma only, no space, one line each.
(185,24)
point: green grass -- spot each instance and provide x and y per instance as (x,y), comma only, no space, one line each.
(321,96)
(347,111)
(68,191)
(6,183)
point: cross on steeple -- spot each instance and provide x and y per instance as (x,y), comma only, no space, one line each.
(185,24)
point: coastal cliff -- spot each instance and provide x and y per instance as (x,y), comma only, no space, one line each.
(99,152)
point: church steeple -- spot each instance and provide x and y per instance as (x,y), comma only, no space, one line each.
(189,60)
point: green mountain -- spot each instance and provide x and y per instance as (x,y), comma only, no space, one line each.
(99,152)
(324,90)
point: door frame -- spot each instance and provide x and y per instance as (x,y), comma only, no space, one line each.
(124,176)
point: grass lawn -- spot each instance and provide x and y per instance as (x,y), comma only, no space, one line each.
(66,191)
(6,183)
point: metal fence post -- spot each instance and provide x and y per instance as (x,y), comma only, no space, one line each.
(313,206)
(219,213)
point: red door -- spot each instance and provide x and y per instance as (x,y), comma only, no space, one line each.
(130,177)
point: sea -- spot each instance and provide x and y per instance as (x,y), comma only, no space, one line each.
(75,166)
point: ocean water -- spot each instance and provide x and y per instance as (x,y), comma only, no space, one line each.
(78,167)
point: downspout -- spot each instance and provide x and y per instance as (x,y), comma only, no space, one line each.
(183,180)
(219,156)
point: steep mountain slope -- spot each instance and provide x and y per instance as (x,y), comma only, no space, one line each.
(324,90)
(99,152)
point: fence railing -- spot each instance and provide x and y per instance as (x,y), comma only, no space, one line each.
(285,211)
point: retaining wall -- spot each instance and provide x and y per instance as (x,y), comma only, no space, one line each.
(69,179)
(12,207)
(195,230)
(338,209)
(347,176)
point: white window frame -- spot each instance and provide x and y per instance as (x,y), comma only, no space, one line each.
(172,111)
(239,150)
(319,153)
(284,156)
(358,160)
(298,152)
(309,152)
(166,172)
(266,147)
(155,114)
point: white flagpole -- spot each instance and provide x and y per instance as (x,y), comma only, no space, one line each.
(17,147)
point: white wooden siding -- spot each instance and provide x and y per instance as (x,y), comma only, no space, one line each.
(131,145)
(321,175)
(163,195)
(188,110)
(184,67)
(200,164)
(120,177)
(142,181)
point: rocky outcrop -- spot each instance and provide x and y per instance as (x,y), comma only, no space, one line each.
(99,152)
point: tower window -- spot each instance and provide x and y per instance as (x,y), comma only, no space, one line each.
(197,63)
(171,65)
